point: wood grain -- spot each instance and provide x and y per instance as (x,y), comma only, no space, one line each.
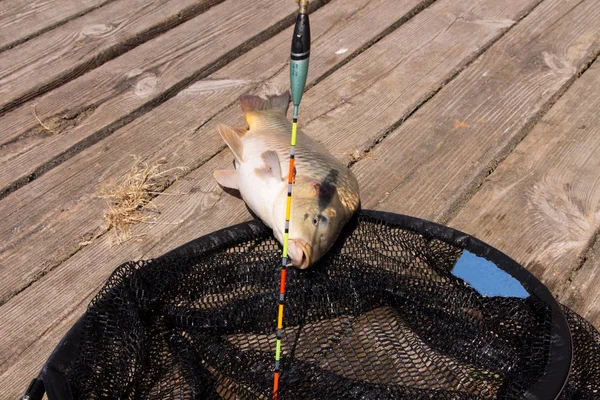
(89,108)
(438,157)
(541,205)
(173,127)
(23,19)
(583,292)
(368,99)
(84,43)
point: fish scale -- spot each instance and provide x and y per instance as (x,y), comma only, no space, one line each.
(310,163)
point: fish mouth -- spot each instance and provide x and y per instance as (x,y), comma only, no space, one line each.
(299,252)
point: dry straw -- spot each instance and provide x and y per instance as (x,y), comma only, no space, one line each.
(129,199)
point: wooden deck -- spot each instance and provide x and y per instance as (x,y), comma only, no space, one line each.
(479,115)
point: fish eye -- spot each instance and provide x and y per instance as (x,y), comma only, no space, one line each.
(320,220)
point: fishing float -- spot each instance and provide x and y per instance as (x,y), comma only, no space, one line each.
(300,54)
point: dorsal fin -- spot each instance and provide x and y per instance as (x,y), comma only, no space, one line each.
(232,138)
(251,105)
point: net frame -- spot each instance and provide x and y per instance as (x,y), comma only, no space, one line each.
(52,377)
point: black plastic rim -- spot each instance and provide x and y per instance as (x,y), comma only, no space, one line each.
(52,381)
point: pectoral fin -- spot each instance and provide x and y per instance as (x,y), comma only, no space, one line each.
(228,179)
(232,138)
(272,168)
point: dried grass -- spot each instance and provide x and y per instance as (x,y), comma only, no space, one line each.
(128,200)
(51,127)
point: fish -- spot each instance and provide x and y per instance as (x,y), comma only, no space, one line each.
(325,193)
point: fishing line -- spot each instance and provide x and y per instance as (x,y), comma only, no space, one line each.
(300,54)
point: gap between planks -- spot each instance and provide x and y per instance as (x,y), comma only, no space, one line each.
(582,293)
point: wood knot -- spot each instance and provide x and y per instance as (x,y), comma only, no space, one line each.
(97,30)
(145,85)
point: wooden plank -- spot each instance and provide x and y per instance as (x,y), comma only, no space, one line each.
(89,108)
(16,378)
(71,50)
(583,293)
(22,19)
(64,201)
(265,64)
(439,156)
(541,206)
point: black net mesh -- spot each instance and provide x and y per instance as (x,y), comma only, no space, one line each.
(381,317)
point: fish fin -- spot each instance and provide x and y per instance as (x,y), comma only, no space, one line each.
(272,168)
(280,102)
(253,104)
(226,178)
(240,131)
(232,139)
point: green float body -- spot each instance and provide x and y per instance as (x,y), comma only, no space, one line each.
(298,74)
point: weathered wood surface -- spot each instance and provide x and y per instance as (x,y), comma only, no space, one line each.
(130,85)
(421,119)
(542,204)
(437,158)
(23,19)
(84,43)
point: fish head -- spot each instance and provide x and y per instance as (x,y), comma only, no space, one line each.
(316,219)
